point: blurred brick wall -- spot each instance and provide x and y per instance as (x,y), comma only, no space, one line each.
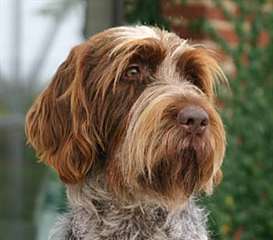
(182,18)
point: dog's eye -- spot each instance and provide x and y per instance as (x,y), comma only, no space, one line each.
(133,72)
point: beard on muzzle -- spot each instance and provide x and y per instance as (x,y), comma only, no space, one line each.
(184,169)
(196,158)
(190,173)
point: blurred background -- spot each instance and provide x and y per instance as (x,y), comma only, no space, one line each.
(36,36)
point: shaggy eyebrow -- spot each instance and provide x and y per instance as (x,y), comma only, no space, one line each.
(150,50)
(197,66)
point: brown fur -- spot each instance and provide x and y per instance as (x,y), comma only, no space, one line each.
(93,118)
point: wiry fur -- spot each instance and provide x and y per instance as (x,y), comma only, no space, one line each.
(94,215)
(114,138)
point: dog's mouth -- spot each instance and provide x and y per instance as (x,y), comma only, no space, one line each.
(189,169)
(186,168)
(193,147)
(191,163)
(196,164)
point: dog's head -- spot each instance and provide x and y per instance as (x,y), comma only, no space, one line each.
(136,105)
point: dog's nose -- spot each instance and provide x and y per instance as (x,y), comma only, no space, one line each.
(194,119)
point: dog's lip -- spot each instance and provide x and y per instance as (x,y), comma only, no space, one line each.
(194,144)
(187,149)
(196,133)
(193,140)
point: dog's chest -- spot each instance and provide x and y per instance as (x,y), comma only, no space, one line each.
(138,224)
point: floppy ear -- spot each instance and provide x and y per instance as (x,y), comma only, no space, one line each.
(58,124)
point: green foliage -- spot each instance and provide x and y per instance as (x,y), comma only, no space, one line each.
(145,12)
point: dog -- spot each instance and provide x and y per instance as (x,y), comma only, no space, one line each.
(129,122)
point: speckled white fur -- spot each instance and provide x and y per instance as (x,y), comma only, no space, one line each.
(95,215)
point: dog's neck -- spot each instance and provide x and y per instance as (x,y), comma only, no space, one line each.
(95,215)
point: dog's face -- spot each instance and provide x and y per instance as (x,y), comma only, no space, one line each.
(136,105)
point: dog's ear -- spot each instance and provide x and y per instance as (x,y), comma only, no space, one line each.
(58,124)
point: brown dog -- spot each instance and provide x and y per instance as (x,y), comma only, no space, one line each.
(130,125)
